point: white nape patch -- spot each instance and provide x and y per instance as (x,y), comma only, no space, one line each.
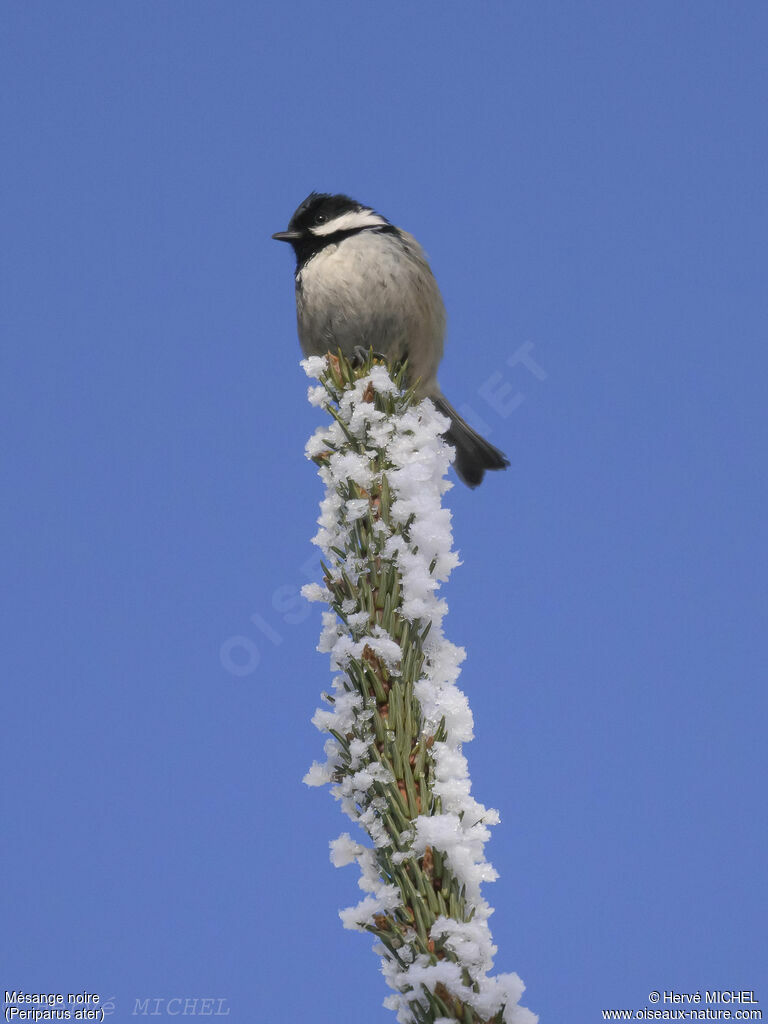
(352,221)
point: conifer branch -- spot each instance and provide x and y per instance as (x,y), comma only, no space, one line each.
(397,721)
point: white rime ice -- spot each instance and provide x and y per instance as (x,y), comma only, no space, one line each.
(417,458)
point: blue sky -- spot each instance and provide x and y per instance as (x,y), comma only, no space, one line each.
(589,181)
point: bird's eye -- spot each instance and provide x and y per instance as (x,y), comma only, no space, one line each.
(320,218)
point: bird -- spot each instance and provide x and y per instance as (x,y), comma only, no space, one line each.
(363,283)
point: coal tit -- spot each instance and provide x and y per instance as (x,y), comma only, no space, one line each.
(362,282)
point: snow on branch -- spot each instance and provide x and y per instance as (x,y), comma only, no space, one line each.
(396,720)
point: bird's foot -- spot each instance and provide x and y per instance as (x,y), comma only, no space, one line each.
(360,356)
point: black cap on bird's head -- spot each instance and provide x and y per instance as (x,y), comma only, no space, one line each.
(317,209)
(324,218)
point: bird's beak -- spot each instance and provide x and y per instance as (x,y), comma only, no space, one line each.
(287,236)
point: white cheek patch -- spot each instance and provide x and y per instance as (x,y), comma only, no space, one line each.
(355,220)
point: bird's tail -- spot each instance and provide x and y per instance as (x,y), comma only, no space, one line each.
(473,453)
